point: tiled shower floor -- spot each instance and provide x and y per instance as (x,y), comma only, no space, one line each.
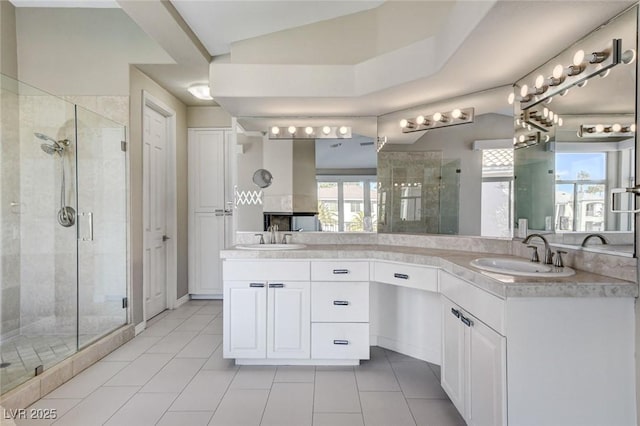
(25,353)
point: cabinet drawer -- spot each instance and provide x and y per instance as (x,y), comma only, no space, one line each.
(340,302)
(485,306)
(419,277)
(278,270)
(340,271)
(340,340)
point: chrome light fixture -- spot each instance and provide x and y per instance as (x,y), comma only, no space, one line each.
(200,91)
(599,130)
(310,132)
(437,120)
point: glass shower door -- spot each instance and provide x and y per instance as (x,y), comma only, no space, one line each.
(102,232)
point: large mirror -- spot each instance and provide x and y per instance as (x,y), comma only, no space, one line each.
(448,174)
(323,174)
(574,147)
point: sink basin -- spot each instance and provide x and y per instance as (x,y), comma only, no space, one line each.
(267,247)
(521,268)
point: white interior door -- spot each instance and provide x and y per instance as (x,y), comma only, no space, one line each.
(154,211)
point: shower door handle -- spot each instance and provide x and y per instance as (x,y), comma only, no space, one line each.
(90,216)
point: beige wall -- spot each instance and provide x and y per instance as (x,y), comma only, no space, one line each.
(140,82)
(207,116)
(81,51)
(8,44)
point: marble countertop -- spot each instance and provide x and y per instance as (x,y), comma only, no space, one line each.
(582,284)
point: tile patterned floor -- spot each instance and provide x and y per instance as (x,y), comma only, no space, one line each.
(174,374)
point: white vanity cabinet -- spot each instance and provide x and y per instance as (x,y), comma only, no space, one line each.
(473,370)
(340,310)
(266,310)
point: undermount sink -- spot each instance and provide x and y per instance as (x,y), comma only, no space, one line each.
(270,246)
(520,268)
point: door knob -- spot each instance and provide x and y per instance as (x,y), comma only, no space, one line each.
(165,238)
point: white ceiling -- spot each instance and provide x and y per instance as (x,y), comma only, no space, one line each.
(219,23)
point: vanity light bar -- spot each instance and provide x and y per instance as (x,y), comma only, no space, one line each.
(541,118)
(615,130)
(310,132)
(526,140)
(437,120)
(563,77)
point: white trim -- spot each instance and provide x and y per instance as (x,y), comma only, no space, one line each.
(140,327)
(207,296)
(179,302)
(157,105)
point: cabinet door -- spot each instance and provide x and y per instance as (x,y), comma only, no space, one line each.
(244,319)
(206,167)
(486,375)
(289,320)
(207,267)
(453,354)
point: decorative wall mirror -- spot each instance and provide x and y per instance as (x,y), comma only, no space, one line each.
(575,139)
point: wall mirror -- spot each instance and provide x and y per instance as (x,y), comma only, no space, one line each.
(575,141)
(435,179)
(324,173)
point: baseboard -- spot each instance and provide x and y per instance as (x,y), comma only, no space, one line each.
(181,301)
(407,349)
(206,296)
(140,327)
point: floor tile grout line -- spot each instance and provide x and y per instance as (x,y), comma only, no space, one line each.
(400,385)
(224,394)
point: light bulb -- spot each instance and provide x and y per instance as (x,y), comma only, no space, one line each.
(604,74)
(515,139)
(404,123)
(457,113)
(511,98)
(517,121)
(551,115)
(420,120)
(633,127)
(616,127)
(578,58)
(308,130)
(560,121)
(524,90)
(564,92)
(558,71)
(599,128)
(549,100)
(291,129)
(438,116)
(540,81)
(326,130)
(521,138)
(629,56)
(343,130)
(555,118)
(545,112)
(582,83)
(547,138)
(275,130)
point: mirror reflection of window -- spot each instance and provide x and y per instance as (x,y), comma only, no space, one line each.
(497,192)
(347,203)
(581,181)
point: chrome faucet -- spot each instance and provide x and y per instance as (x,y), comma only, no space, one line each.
(603,240)
(273,230)
(548,255)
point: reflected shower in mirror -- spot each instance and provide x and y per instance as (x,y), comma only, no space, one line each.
(573,148)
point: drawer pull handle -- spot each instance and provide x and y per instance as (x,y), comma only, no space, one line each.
(466,321)
(455,312)
(340,342)
(401,276)
(340,271)
(256,285)
(341,302)
(276,285)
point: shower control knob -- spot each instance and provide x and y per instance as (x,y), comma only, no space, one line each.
(165,238)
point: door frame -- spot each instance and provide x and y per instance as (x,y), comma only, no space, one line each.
(150,101)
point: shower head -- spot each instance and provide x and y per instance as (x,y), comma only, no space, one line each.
(51,149)
(44,137)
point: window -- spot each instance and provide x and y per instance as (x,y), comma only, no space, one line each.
(497,192)
(347,203)
(580,191)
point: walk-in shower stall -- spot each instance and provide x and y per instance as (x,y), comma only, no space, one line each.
(63,247)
